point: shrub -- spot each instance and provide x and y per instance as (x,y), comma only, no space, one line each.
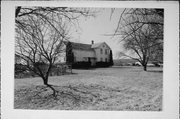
(81,65)
(19,68)
(111,58)
(103,64)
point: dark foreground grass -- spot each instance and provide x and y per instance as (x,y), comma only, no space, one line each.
(116,88)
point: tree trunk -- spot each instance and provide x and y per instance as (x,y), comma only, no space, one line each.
(17,11)
(145,67)
(45,80)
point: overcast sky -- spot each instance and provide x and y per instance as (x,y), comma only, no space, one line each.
(96,28)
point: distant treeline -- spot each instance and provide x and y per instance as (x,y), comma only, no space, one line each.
(123,62)
(132,62)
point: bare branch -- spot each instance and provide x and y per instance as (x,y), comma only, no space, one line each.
(141,32)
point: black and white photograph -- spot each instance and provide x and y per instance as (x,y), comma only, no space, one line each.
(114,62)
(88,58)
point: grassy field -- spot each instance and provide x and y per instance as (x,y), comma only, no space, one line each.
(115,88)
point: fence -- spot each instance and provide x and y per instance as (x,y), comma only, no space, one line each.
(57,70)
(61,69)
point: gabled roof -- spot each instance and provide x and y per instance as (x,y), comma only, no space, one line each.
(87,47)
(96,45)
(80,46)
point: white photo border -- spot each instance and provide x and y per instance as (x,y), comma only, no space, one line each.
(170,70)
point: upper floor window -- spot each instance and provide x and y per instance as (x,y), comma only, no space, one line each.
(106,51)
(106,59)
(101,59)
(101,50)
(85,59)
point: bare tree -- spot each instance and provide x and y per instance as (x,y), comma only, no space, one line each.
(141,32)
(40,33)
(51,15)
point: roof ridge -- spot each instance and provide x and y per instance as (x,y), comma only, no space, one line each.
(79,43)
(85,43)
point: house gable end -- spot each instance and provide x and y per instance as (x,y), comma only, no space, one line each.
(99,45)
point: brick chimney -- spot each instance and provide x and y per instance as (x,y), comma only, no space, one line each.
(92,42)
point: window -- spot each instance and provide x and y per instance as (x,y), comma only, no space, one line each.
(85,58)
(101,59)
(106,59)
(106,51)
(101,51)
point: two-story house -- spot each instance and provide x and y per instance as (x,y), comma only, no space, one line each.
(94,52)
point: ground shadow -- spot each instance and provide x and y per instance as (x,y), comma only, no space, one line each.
(119,67)
(41,97)
(70,73)
(155,71)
